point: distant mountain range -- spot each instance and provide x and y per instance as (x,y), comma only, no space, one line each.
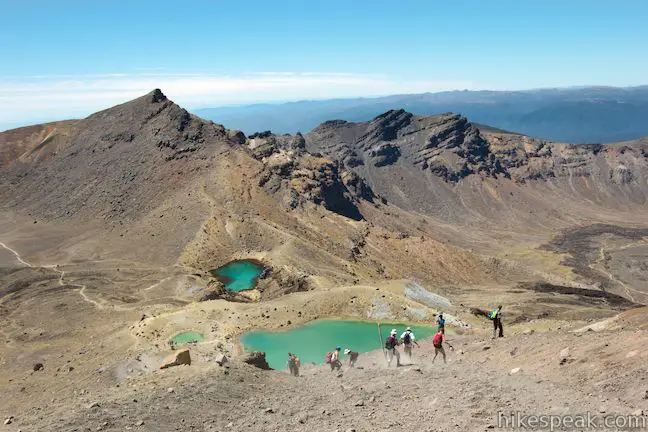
(573,115)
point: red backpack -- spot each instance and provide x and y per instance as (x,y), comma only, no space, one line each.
(329,356)
(437,340)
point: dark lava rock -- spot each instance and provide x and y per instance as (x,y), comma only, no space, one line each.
(257,359)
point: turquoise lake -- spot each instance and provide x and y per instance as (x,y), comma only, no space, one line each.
(239,275)
(312,341)
(187,337)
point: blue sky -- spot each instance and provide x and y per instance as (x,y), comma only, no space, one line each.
(69,58)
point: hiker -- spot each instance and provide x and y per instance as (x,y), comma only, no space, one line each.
(441,322)
(333,358)
(353,357)
(496,316)
(390,344)
(408,339)
(437,341)
(293,364)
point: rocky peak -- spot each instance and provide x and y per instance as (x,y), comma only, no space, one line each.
(386,127)
(331,124)
(156,96)
(448,144)
(133,148)
(454,148)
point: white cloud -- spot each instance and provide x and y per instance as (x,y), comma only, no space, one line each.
(66,96)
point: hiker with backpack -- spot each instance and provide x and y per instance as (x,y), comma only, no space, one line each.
(408,339)
(496,316)
(353,357)
(293,364)
(437,341)
(333,358)
(441,322)
(390,345)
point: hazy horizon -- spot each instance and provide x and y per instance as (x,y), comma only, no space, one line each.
(240,54)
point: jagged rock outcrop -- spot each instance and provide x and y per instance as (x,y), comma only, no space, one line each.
(621,175)
(298,177)
(448,145)
(452,148)
(527,159)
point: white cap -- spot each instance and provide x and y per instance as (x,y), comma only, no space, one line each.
(408,329)
(394,331)
(347,351)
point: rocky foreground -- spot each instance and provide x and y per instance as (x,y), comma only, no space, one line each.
(601,373)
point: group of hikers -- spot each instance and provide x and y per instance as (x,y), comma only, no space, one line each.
(407,339)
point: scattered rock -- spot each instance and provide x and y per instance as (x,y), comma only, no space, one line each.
(359,403)
(514,351)
(302,417)
(515,370)
(268,411)
(564,357)
(528,332)
(8,420)
(258,359)
(637,413)
(38,367)
(177,358)
(140,423)
(170,390)
(221,359)
(93,405)
(486,348)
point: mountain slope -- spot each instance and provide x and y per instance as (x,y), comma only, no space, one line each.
(150,182)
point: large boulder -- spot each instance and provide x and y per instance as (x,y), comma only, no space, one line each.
(258,359)
(178,358)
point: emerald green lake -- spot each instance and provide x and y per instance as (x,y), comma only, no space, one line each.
(312,341)
(239,275)
(186,337)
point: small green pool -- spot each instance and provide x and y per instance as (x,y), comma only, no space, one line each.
(239,275)
(312,341)
(187,337)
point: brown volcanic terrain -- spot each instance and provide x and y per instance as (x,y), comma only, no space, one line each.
(109,226)
(498,193)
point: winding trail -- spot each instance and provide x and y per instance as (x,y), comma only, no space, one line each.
(61,273)
(16,254)
(159,283)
